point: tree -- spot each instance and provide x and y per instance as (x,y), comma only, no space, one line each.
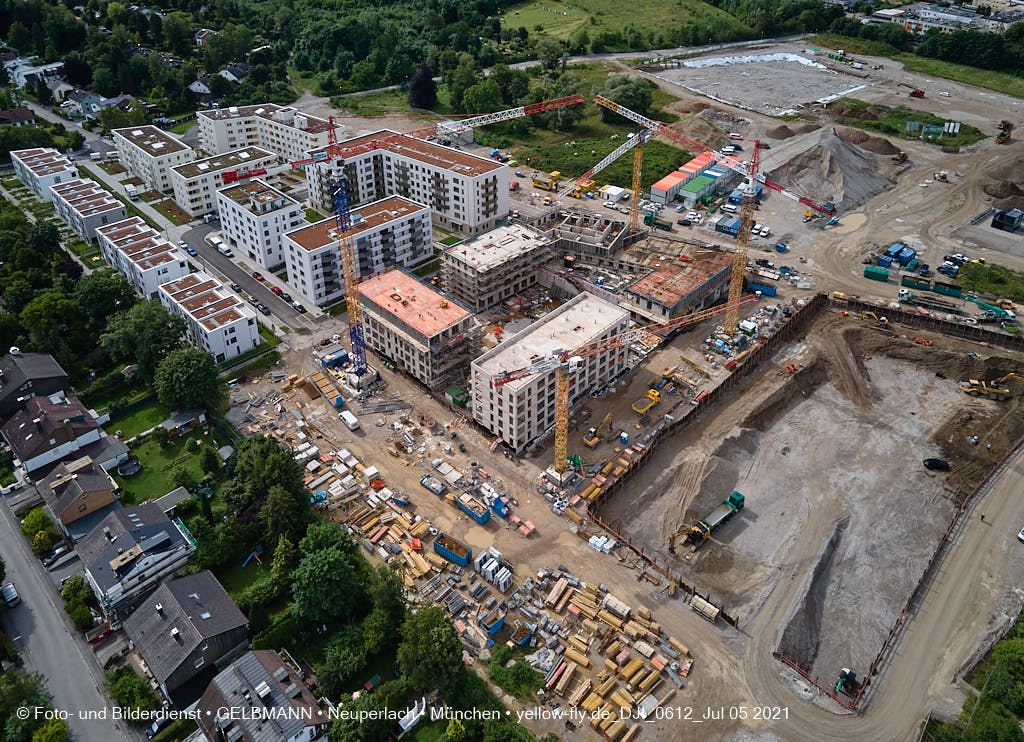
(77,70)
(77,590)
(430,653)
(183,477)
(344,656)
(51,318)
(282,514)
(209,460)
(42,542)
(187,378)
(387,591)
(266,464)
(161,436)
(455,731)
(514,84)
(144,334)
(177,28)
(103,294)
(54,730)
(286,556)
(482,97)
(566,117)
(549,52)
(129,690)
(326,588)
(20,689)
(81,616)
(633,93)
(43,237)
(378,631)
(220,86)
(325,535)
(113,117)
(37,520)
(422,88)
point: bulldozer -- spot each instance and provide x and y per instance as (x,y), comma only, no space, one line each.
(900,156)
(1001,390)
(593,436)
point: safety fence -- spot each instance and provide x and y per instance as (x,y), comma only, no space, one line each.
(813,679)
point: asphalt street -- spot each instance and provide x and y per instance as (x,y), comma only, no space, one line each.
(47,642)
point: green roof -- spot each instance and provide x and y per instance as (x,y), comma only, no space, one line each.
(699,183)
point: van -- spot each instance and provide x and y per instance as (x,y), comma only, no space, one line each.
(95,156)
(728,208)
(216,241)
(734,135)
(225,251)
(728,150)
(10,595)
(350,420)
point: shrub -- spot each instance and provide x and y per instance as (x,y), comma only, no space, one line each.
(80,615)
(161,436)
(283,629)
(42,542)
(37,520)
(129,690)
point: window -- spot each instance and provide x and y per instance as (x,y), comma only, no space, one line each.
(200,662)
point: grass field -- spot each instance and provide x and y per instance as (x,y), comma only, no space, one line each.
(573,159)
(997,280)
(893,122)
(1001,82)
(158,466)
(388,102)
(140,420)
(559,20)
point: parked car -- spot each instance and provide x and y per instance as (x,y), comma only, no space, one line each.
(936,464)
(679,208)
(257,275)
(299,308)
(236,287)
(263,308)
(944,94)
(286,296)
(276,290)
(154,729)
(253,300)
(10,595)
(55,555)
(191,251)
(610,205)
(683,222)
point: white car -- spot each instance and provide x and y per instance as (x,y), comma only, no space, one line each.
(624,209)
(610,205)
(679,210)
(766,231)
(944,94)
(694,216)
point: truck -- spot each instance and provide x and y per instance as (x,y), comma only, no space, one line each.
(646,402)
(514,185)
(701,531)
(452,550)
(432,483)
(906,296)
(992,310)
(544,184)
(472,507)
(651,220)
(916,94)
(876,274)
(1002,389)
(131,191)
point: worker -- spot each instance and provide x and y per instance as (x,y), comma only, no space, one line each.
(982,517)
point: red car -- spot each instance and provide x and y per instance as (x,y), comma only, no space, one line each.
(276,290)
(257,275)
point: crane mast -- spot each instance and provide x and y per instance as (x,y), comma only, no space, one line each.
(739,261)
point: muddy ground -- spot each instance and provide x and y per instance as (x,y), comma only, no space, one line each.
(840,442)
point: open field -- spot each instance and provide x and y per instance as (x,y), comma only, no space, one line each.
(892,120)
(573,159)
(140,420)
(560,20)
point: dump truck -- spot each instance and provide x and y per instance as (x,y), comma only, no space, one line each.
(643,405)
(1001,390)
(701,531)
(544,184)
(651,220)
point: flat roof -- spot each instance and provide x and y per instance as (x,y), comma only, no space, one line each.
(698,184)
(256,192)
(370,216)
(580,320)
(152,140)
(140,243)
(426,152)
(43,160)
(272,112)
(497,246)
(206,300)
(671,282)
(226,161)
(86,197)
(418,305)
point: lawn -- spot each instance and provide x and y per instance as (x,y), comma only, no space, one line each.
(559,20)
(997,280)
(573,159)
(390,101)
(236,579)
(892,120)
(140,420)
(1002,82)
(158,465)
(185,122)
(302,81)
(82,249)
(313,216)
(172,211)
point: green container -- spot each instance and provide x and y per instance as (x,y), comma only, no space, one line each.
(876,274)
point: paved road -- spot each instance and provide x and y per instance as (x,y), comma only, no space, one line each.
(43,636)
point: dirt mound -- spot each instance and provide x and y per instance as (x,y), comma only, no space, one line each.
(806,128)
(1013,202)
(880,146)
(1006,183)
(780,132)
(824,166)
(854,135)
(1004,189)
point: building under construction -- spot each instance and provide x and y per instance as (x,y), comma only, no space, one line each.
(494,266)
(422,331)
(678,287)
(522,412)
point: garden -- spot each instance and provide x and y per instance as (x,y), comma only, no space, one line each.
(170,463)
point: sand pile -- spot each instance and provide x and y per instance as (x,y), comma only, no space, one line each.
(1006,182)
(878,145)
(824,166)
(780,132)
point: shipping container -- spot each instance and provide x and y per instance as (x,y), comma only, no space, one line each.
(906,255)
(894,249)
(433,484)
(885,261)
(876,274)
(472,507)
(948,289)
(765,290)
(452,550)
(915,283)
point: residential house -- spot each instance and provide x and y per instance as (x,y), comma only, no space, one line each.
(185,627)
(18,116)
(26,375)
(284,130)
(82,103)
(22,71)
(201,85)
(217,320)
(86,206)
(254,216)
(76,489)
(59,89)
(260,677)
(235,73)
(41,168)
(200,35)
(142,255)
(131,551)
(149,153)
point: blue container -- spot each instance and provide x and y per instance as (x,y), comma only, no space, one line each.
(885,261)
(894,249)
(624,438)
(765,290)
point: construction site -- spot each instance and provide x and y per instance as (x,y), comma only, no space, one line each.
(712,462)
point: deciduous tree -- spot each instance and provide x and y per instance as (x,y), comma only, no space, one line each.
(187,378)
(430,654)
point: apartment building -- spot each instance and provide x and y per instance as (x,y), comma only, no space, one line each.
(40,168)
(494,266)
(254,216)
(466,193)
(195,184)
(218,321)
(149,154)
(415,326)
(284,130)
(86,206)
(522,412)
(142,255)
(392,231)
(673,290)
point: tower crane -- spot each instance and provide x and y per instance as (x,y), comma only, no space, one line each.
(566,362)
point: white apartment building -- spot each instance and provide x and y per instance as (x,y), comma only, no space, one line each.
(149,154)
(218,321)
(466,193)
(417,327)
(254,216)
(196,183)
(522,412)
(41,168)
(142,255)
(86,206)
(392,231)
(491,267)
(284,130)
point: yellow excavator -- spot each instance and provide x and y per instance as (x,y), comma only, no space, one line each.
(1009,386)
(593,436)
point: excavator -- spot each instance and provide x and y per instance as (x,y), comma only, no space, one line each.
(900,156)
(992,311)
(1009,386)
(593,436)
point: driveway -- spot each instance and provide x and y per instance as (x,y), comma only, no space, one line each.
(47,643)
